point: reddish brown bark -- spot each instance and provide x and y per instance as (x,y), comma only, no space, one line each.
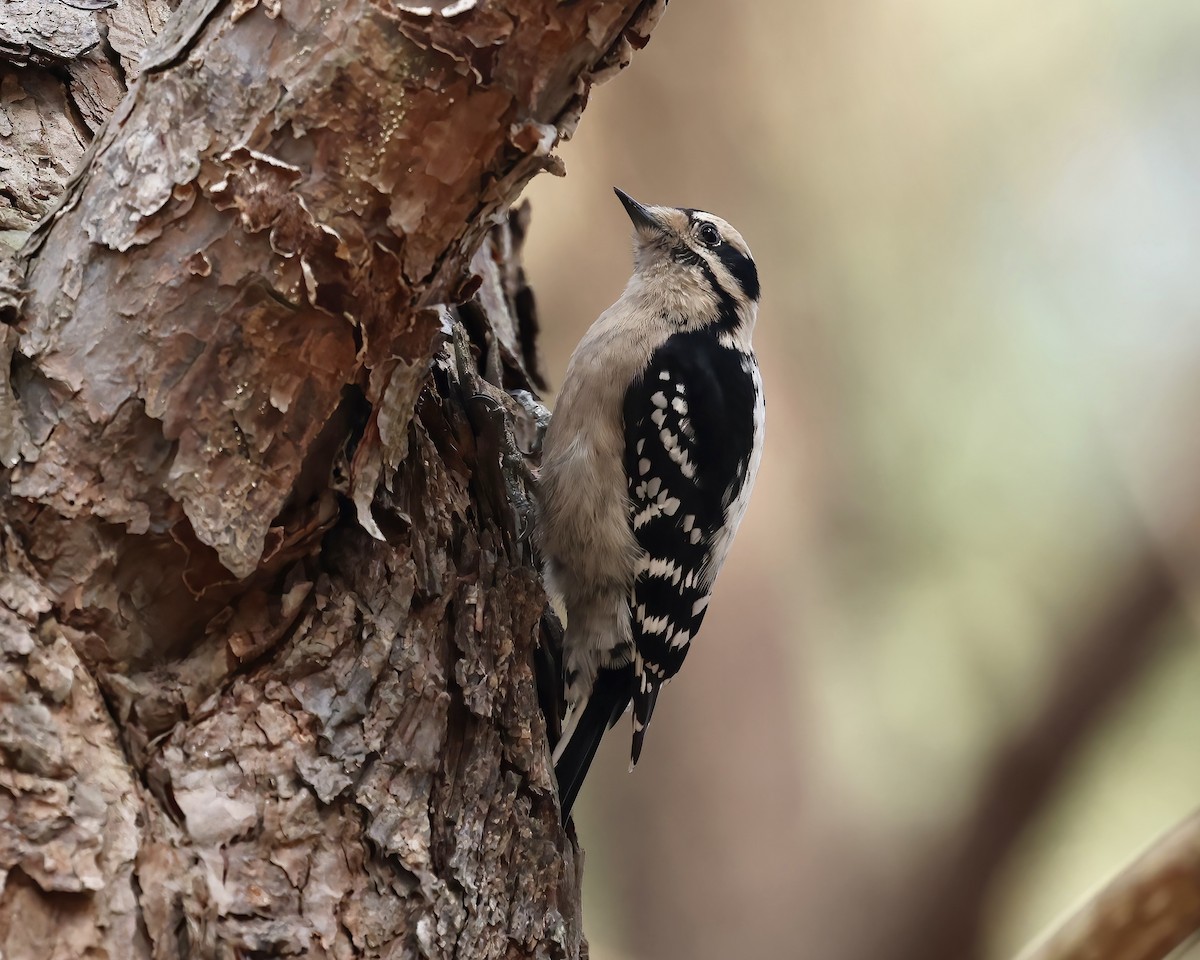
(266,617)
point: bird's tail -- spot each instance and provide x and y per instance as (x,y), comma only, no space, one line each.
(645,696)
(583,732)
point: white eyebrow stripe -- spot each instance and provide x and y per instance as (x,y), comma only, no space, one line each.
(730,236)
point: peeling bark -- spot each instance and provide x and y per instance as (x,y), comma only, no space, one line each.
(267,615)
(63,69)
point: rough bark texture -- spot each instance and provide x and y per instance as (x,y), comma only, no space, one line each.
(267,616)
(62,70)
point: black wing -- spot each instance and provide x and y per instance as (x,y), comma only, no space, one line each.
(689,434)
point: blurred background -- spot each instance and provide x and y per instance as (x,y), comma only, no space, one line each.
(977,224)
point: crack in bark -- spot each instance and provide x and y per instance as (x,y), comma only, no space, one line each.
(342,756)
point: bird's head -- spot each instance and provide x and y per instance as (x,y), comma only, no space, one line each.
(695,264)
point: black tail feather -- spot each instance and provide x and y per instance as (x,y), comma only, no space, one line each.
(609,698)
(643,709)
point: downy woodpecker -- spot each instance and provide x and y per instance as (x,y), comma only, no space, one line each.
(646,471)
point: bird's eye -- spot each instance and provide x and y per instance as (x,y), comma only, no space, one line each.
(709,234)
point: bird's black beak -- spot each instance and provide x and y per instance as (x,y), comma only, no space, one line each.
(640,214)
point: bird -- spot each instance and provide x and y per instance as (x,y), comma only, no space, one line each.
(646,473)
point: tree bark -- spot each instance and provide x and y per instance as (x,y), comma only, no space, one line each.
(1147,911)
(268,615)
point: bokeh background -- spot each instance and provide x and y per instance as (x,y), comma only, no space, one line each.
(977,224)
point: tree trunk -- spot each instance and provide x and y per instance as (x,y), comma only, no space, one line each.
(268,614)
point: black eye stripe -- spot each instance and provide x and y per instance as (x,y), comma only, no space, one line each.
(728,306)
(741,268)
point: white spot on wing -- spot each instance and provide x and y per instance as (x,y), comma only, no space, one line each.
(655,625)
(664,569)
(646,515)
(679,456)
